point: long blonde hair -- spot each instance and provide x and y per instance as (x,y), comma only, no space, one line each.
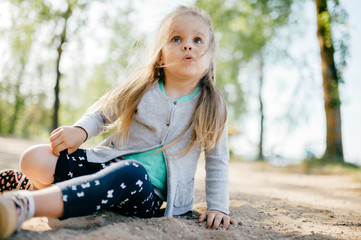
(209,116)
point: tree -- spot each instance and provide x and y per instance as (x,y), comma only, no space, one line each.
(261,109)
(62,19)
(245,29)
(16,90)
(331,80)
(62,39)
(43,37)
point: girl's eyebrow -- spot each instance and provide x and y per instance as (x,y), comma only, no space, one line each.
(195,32)
(201,34)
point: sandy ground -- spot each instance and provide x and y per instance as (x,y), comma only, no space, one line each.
(267,202)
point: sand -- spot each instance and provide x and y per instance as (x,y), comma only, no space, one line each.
(266,201)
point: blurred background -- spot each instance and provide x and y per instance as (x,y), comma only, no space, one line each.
(59,57)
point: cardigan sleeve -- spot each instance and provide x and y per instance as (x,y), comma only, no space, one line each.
(217,176)
(93,123)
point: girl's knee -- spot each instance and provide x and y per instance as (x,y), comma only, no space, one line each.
(30,156)
(38,156)
(38,164)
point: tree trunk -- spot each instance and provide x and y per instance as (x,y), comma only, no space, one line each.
(63,39)
(260,145)
(330,77)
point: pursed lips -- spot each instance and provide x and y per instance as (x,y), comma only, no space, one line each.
(188,58)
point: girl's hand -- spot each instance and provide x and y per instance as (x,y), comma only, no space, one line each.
(215,218)
(67,138)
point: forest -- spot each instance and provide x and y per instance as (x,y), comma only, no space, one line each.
(287,69)
(59,57)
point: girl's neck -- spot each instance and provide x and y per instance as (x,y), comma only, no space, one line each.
(177,89)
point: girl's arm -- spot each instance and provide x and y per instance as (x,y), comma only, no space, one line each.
(217,185)
(71,137)
(93,123)
(68,137)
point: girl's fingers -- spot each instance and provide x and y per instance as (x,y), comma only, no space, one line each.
(226,221)
(234,222)
(59,148)
(54,135)
(214,219)
(56,142)
(55,131)
(217,221)
(202,217)
(210,219)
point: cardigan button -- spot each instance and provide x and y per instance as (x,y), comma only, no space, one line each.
(175,102)
(167,124)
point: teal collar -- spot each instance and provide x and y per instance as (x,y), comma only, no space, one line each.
(181,99)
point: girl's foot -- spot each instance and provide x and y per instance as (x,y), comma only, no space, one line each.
(11,179)
(15,208)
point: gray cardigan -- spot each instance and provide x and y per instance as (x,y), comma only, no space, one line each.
(158,121)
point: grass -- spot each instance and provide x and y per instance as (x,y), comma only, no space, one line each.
(328,166)
(316,166)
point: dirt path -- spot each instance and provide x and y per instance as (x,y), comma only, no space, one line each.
(267,202)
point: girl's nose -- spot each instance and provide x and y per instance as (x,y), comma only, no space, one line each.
(185,48)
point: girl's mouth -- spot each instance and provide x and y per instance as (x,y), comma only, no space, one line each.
(188,58)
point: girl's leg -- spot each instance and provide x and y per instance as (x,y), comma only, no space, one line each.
(38,164)
(48,202)
(18,206)
(125,184)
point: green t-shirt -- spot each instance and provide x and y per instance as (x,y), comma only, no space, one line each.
(152,160)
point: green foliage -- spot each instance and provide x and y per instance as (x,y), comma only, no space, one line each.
(341,41)
(243,29)
(334,21)
(16,86)
(27,76)
(34,118)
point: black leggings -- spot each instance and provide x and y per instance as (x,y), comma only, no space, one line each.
(123,187)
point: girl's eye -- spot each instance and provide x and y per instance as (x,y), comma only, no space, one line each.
(198,40)
(176,39)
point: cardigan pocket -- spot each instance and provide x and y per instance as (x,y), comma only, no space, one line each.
(184,193)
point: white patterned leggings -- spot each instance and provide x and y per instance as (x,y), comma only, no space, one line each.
(123,187)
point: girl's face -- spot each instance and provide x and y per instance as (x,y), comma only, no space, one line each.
(185,54)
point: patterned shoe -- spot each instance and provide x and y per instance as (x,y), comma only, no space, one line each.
(14,210)
(11,179)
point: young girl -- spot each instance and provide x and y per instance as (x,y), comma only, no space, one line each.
(167,112)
